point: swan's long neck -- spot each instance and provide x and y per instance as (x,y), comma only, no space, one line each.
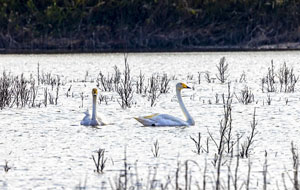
(94,107)
(187,115)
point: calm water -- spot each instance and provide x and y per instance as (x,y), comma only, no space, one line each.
(48,149)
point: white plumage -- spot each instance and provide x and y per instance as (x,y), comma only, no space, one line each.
(168,120)
(94,121)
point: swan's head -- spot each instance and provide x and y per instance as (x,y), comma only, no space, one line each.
(94,92)
(181,86)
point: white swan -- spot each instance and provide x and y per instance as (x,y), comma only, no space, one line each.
(95,121)
(168,120)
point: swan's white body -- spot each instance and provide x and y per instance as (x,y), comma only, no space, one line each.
(168,120)
(94,121)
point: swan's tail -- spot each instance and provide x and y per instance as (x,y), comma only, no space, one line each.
(144,121)
(139,120)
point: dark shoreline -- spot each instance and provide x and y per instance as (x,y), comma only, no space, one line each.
(202,49)
(148,26)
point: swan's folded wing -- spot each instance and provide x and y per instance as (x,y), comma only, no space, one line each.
(86,120)
(169,120)
(150,116)
(147,120)
(161,120)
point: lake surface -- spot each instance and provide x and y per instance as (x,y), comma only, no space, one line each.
(47,148)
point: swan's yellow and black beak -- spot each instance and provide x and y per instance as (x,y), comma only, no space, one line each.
(185,86)
(94,92)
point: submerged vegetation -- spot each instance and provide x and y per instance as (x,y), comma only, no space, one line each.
(111,25)
(285,77)
(19,91)
(230,152)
